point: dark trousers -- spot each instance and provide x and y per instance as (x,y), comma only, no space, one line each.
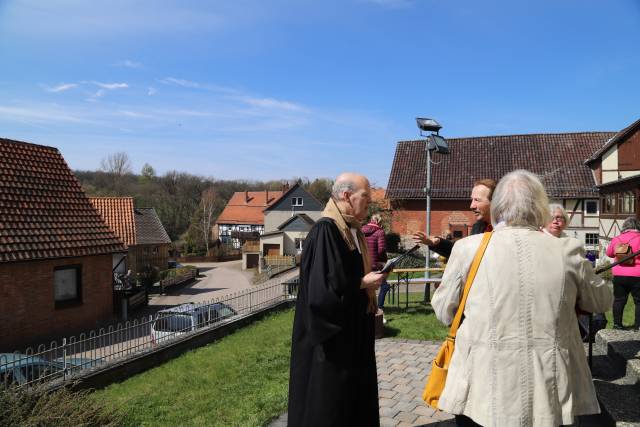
(384,288)
(622,287)
(464,421)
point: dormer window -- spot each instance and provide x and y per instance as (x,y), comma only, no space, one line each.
(297,201)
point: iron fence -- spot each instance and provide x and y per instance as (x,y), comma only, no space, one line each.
(76,356)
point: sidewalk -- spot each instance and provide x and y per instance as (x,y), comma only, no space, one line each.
(403,366)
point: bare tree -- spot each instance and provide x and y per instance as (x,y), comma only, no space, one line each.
(207,207)
(117,164)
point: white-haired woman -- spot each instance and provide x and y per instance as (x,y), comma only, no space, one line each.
(558,221)
(519,360)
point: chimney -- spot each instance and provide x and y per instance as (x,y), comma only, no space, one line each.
(246,197)
(266,197)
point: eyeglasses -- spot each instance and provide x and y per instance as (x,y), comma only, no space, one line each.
(558,219)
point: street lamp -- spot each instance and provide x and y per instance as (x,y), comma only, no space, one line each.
(436,144)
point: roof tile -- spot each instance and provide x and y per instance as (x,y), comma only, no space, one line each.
(557,158)
(43,211)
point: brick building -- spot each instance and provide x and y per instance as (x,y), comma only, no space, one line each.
(141,231)
(557,158)
(55,249)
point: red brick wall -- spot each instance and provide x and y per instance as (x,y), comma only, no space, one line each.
(27,307)
(408,216)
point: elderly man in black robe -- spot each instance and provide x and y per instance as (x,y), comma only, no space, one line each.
(333,378)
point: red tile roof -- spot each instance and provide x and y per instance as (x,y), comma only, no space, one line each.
(44,213)
(117,212)
(246,207)
(557,158)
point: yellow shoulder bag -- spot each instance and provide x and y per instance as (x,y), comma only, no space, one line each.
(440,366)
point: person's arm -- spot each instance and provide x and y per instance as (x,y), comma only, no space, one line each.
(382,247)
(594,296)
(443,247)
(440,246)
(446,298)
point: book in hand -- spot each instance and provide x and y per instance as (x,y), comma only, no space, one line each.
(391,264)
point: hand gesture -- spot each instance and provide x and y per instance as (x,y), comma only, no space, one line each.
(421,237)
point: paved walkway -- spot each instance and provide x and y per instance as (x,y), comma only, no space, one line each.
(403,366)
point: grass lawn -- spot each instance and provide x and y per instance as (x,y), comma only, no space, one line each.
(628,314)
(417,322)
(241,380)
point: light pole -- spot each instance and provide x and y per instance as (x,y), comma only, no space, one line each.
(433,143)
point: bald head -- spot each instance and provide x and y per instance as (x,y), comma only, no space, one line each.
(352,193)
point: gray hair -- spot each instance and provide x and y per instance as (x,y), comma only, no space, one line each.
(520,199)
(630,223)
(340,187)
(553,207)
(376,218)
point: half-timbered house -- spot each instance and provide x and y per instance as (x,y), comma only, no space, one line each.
(616,171)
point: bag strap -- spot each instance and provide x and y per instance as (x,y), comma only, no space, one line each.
(467,286)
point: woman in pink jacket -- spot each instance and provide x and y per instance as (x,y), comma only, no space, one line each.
(626,278)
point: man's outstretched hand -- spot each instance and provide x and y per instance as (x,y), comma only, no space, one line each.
(420,237)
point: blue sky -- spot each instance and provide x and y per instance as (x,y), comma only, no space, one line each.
(254,89)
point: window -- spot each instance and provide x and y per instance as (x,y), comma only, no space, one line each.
(296,201)
(591,239)
(299,242)
(67,285)
(609,203)
(627,204)
(155,249)
(591,207)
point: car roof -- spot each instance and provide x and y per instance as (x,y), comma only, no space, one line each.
(192,307)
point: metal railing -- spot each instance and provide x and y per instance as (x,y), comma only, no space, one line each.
(76,356)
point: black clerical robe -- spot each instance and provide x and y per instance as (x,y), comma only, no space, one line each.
(333,378)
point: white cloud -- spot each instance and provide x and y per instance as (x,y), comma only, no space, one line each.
(61,87)
(180,82)
(40,114)
(128,64)
(152,91)
(111,86)
(271,103)
(135,114)
(196,85)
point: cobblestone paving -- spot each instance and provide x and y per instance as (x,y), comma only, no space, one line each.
(403,366)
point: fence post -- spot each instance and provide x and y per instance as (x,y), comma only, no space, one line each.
(64,359)
(250,293)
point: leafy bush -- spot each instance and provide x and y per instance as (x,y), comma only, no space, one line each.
(20,407)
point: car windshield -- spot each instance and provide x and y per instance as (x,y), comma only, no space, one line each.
(173,322)
(224,311)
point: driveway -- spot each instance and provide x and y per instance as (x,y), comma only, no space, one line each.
(216,280)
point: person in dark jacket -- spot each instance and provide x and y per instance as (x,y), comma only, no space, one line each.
(480,206)
(374,234)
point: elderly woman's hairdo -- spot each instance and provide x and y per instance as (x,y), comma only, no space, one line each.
(377,218)
(340,187)
(553,207)
(520,199)
(631,223)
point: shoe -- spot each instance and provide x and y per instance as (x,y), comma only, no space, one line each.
(619,327)
(384,321)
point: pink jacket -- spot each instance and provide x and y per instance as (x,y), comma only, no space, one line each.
(633,238)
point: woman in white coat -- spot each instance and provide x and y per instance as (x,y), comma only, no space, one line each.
(519,359)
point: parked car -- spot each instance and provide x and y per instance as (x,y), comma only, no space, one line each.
(20,369)
(185,318)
